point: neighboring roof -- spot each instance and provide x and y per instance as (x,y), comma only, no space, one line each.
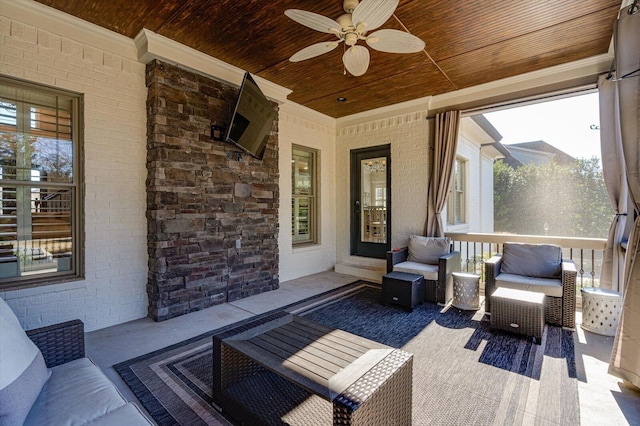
(512,161)
(500,148)
(558,156)
(485,125)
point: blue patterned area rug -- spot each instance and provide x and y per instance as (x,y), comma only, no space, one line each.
(463,372)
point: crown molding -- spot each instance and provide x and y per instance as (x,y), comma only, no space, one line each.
(155,46)
(46,18)
(415,105)
(572,71)
(301,112)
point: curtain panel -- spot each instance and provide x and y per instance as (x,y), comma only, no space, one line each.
(615,181)
(443,160)
(625,355)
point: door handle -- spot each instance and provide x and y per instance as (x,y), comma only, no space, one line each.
(356,207)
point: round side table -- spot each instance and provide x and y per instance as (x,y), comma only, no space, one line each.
(601,310)
(466,291)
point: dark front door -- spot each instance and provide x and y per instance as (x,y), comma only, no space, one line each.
(371,201)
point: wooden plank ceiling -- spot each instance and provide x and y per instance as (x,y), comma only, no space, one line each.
(467,43)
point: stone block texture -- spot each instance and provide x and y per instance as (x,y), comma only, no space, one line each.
(212,217)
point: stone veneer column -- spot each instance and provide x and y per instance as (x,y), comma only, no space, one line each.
(202,200)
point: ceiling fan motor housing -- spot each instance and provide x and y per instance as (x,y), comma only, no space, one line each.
(346,23)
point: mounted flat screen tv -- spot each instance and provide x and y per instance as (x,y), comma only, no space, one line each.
(252,119)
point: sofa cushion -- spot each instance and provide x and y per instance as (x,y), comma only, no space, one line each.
(77,393)
(532,260)
(548,286)
(22,369)
(427,249)
(129,415)
(429,272)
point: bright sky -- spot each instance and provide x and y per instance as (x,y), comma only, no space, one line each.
(563,123)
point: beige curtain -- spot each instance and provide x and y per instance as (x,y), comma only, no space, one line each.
(444,157)
(625,356)
(615,182)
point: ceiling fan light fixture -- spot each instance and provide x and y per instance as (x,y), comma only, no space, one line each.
(350,39)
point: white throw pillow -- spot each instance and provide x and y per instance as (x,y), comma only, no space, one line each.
(22,369)
(428,249)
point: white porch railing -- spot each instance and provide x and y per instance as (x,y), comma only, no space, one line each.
(587,253)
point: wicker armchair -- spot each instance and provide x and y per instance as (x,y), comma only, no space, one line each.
(438,278)
(559,287)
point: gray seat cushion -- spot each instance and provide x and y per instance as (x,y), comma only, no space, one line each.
(548,286)
(532,260)
(77,393)
(429,272)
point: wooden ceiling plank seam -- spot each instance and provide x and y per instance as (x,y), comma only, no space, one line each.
(173,16)
(455,87)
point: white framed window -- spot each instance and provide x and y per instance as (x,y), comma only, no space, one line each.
(456,205)
(40,181)
(304,195)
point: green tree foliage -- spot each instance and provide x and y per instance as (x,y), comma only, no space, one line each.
(568,201)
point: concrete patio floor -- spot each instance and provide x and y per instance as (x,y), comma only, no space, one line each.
(604,399)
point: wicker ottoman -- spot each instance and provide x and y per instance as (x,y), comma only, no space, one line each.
(601,310)
(402,288)
(518,311)
(466,291)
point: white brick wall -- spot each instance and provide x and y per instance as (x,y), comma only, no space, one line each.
(479,179)
(408,135)
(41,46)
(300,126)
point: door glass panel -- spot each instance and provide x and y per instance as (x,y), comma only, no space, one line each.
(374,200)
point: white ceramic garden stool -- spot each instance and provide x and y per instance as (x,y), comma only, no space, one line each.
(466,292)
(601,310)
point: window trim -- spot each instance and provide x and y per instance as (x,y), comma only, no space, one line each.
(314,214)
(77,270)
(451,200)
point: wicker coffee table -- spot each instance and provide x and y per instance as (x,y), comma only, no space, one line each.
(368,383)
(518,311)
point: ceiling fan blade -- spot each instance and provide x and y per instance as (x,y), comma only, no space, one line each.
(394,41)
(312,20)
(373,13)
(314,50)
(356,60)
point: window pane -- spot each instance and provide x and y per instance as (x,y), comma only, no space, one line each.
(301,220)
(302,172)
(53,158)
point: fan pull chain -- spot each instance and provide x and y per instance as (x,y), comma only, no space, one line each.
(344,68)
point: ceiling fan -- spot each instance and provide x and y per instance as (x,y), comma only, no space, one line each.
(353,26)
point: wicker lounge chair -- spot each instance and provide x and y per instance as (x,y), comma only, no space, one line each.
(431,257)
(539,268)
